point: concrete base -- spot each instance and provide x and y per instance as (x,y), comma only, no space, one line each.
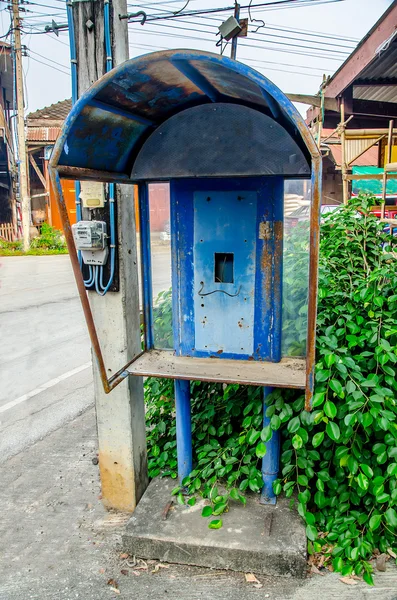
(269,540)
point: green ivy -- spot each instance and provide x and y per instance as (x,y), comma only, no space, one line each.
(339,462)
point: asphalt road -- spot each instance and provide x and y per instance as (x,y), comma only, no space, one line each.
(45,358)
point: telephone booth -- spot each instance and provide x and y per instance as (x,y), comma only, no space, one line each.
(226,139)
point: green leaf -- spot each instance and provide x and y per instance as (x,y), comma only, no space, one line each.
(333,431)
(374,522)
(277,487)
(391,517)
(207,511)
(367,470)
(234,494)
(192,501)
(330,409)
(362,481)
(293,425)
(215,524)
(317,439)
(336,386)
(297,441)
(275,422)
(176,490)
(260,450)
(181,499)
(318,399)
(311,532)
(266,434)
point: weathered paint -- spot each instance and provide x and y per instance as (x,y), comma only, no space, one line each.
(224,222)
(152,88)
(147,293)
(252,315)
(112,120)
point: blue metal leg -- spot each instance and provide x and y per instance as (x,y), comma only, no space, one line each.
(183,428)
(270,462)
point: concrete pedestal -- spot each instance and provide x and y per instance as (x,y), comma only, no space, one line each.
(269,540)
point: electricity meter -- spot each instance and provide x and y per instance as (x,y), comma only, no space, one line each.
(91,239)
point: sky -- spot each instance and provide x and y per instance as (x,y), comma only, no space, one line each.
(293,47)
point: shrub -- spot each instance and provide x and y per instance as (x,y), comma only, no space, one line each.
(49,239)
(339,462)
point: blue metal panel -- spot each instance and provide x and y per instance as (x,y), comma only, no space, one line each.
(269,258)
(266,321)
(147,293)
(109,124)
(224,222)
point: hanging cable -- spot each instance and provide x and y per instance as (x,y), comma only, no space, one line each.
(99,286)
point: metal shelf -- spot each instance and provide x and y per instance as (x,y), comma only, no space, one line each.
(289,372)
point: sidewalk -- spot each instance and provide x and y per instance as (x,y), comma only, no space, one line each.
(58,543)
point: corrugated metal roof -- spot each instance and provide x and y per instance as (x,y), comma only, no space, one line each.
(42,134)
(384,66)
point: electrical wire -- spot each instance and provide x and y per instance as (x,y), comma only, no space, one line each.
(333,45)
(244,44)
(277,3)
(50,66)
(50,60)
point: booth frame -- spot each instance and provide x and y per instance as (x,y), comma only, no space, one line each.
(143,361)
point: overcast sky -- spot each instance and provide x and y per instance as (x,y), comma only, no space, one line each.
(296,46)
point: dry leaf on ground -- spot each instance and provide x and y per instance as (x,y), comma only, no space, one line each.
(160,566)
(348,580)
(124,555)
(381,562)
(250,578)
(392,554)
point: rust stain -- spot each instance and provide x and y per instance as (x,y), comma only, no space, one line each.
(117,482)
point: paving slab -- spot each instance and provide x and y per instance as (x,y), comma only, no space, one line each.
(264,539)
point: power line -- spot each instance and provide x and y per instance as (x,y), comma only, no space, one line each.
(50,66)
(50,60)
(262,47)
(228,8)
(172,26)
(268,34)
(244,58)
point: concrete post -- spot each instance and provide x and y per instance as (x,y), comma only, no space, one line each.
(120,414)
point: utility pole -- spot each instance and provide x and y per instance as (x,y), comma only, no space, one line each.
(120,416)
(23,166)
(235,38)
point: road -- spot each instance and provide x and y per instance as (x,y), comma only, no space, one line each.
(45,358)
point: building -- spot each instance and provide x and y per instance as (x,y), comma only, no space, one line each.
(8,170)
(42,129)
(355,113)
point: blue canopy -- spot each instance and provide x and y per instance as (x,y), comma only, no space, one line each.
(124,122)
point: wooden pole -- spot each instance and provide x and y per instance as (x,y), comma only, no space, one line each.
(386,162)
(23,168)
(345,183)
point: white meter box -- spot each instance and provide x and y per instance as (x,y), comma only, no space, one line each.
(91,239)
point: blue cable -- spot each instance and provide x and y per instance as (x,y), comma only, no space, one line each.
(100,288)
